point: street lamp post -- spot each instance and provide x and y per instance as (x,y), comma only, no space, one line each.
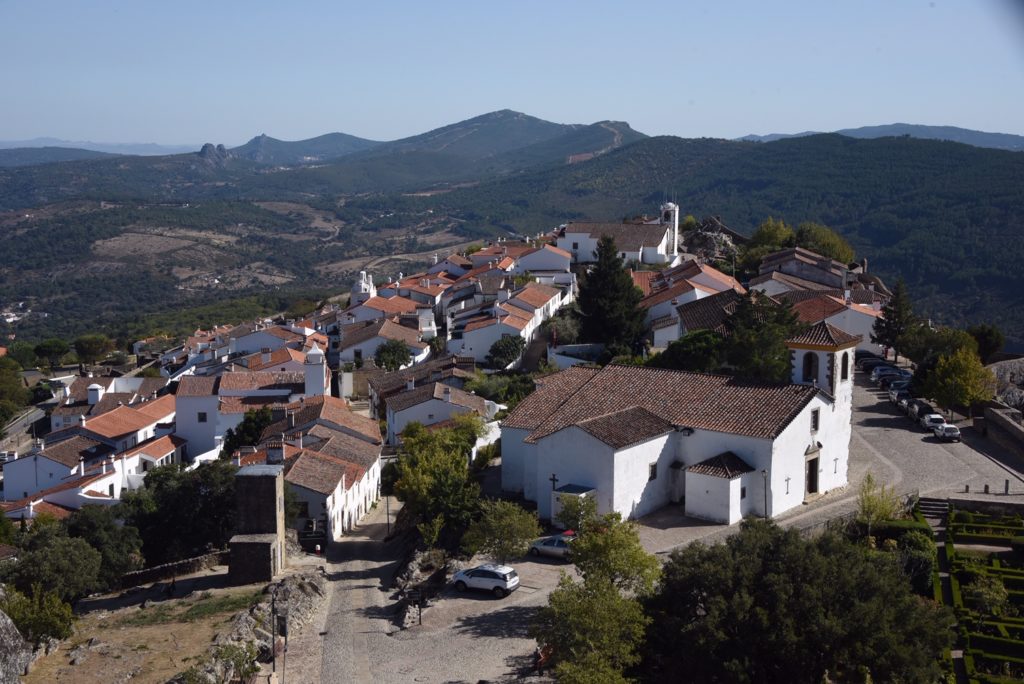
(764,476)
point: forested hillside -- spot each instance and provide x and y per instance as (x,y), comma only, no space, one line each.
(198,227)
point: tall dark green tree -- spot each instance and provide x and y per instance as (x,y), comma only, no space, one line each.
(608,301)
(756,346)
(896,320)
(990,339)
(91,348)
(771,606)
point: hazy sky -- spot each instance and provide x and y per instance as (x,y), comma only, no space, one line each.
(178,71)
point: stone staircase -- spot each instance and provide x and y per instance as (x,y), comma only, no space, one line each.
(934,509)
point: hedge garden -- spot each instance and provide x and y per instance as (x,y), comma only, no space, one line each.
(987,594)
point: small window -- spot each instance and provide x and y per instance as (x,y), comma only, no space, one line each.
(743,492)
(846,366)
(202,417)
(111,490)
(652,472)
(430,416)
(575,245)
(815,419)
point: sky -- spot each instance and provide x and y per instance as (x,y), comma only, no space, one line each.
(185,72)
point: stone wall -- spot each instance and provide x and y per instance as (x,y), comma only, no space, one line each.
(987,506)
(1003,426)
(15,652)
(175,569)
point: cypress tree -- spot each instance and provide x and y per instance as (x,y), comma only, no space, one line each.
(609,303)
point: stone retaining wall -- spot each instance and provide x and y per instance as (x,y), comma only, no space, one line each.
(175,569)
(1003,426)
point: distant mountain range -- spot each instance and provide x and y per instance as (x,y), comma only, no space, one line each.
(145,149)
(998,141)
(29,156)
(948,217)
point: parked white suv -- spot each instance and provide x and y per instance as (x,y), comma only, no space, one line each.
(947,433)
(500,580)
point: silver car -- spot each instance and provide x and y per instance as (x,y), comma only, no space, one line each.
(947,432)
(556,547)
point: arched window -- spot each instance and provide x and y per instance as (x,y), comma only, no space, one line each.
(810,367)
(846,366)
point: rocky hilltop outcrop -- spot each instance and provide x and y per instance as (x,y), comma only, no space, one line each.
(15,652)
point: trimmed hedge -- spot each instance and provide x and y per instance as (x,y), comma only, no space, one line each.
(895,529)
(997,646)
(983,539)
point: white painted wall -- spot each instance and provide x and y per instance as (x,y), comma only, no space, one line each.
(586,250)
(667,308)
(635,495)
(542,260)
(32,473)
(575,457)
(200,436)
(857,323)
(708,498)
(514,454)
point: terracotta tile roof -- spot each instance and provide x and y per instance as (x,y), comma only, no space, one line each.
(233,405)
(502,265)
(158,448)
(672,291)
(536,295)
(383,327)
(444,367)
(709,312)
(56,510)
(291,381)
(158,409)
(825,335)
(642,279)
(108,402)
(786,279)
(816,309)
(551,392)
(328,440)
(436,390)
(69,451)
(391,305)
(278,357)
(709,402)
(198,386)
(803,255)
(557,250)
(330,410)
(664,322)
(504,249)
(322,473)
(629,237)
(121,421)
(284,334)
(726,465)
(626,427)
(135,391)
(478,322)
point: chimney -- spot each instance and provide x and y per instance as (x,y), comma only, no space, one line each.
(31,508)
(435,258)
(265,355)
(410,384)
(448,394)
(104,468)
(864,265)
(291,419)
(81,421)
(81,466)
(298,441)
(275,451)
(846,296)
(277,412)
(237,459)
(95,393)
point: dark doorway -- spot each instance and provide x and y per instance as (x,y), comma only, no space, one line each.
(812,476)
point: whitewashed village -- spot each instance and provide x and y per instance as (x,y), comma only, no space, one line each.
(677,431)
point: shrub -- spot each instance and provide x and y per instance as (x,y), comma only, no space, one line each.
(40,616)
(963,517)
(1017,544)
(896,529)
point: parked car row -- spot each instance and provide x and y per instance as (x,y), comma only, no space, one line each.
(897,382)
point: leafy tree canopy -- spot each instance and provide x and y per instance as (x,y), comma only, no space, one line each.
(248,432)
(53,350)
(69,567)
(608,549)
(505,351)
(699,351)
(824,241)
(92,348)
(959,379)
(503,531)
(768,602)
(39,616)
(24,353)
(119,545)
(392,355)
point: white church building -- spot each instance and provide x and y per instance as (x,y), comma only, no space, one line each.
(637,439)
